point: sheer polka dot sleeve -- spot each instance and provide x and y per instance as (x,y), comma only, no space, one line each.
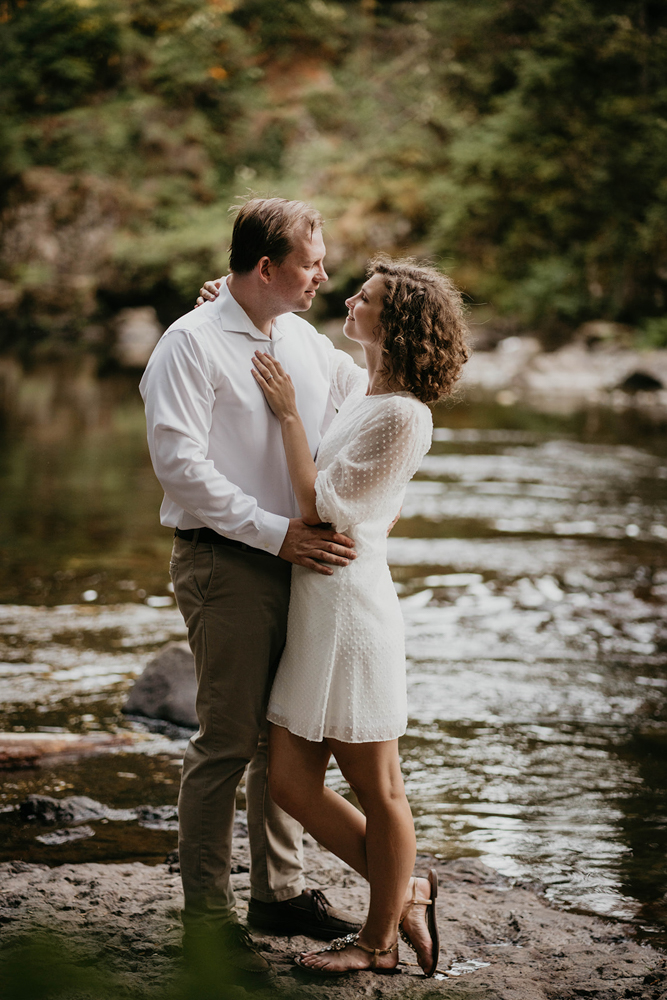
(375,464)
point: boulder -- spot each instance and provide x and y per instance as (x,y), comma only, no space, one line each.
(56,838)
(73,810)
(640,381)
(167,688)
(158,817)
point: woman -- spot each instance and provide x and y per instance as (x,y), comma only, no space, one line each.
(340,686)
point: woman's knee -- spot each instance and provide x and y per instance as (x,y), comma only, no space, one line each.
(374,777)
(384,794)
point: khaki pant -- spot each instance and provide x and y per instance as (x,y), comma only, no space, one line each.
(234,602)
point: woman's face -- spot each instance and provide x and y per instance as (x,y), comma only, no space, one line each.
(364,310)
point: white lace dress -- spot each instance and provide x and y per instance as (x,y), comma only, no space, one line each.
(342,674)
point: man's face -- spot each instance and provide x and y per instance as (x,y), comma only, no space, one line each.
(297,279)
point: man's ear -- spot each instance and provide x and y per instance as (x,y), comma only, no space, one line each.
(264,266)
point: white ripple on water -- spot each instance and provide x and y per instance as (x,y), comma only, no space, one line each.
(577,464)
(529,615)
(557,487)
(534,801)
(514,691)
(50,666)
(521,514)
(505,556)
(146,624)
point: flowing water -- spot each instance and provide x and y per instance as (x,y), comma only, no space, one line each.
(531,560)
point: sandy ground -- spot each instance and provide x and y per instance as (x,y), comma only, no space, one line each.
(125,918)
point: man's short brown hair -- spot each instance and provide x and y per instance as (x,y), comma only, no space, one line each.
(264,227)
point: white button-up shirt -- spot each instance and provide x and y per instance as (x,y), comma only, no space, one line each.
(215,445)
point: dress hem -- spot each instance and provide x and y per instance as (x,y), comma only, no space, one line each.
(279,720)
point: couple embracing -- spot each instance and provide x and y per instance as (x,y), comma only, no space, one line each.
(284,465)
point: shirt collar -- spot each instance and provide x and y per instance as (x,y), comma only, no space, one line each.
(236,320)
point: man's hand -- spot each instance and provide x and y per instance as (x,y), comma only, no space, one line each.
(316,546)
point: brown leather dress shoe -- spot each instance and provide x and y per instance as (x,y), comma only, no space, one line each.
(311,913)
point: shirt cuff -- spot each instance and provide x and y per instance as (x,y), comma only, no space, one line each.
(272,531)
(267,533)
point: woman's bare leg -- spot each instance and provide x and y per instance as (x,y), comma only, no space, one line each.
(374,772)
(380,847)
(296,781)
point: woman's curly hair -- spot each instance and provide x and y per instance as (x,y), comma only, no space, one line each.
(424,346)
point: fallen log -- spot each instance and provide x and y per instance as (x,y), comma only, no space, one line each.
(22,750)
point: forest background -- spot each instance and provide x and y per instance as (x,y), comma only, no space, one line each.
(521,144)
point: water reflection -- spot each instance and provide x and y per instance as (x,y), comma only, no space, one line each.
(531,560)
(79,513)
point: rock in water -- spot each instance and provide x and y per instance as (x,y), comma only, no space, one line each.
(158,817)
(167,688)
(641,382)
(75,809)
(59,837)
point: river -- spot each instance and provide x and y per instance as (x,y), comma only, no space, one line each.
(531,561)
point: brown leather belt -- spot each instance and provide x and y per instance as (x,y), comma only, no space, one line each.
(208,535)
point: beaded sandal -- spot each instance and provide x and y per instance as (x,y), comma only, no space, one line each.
(340,944)
(431,921)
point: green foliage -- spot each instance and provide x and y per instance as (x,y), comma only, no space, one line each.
(653,332)
(558,178)
(317,28)
(53,53)
(151,99)
(522,145)
(122,88)
(192,245)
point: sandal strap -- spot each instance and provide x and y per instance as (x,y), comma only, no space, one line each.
(405,938)
(376,952)
(339,944)
(416,901)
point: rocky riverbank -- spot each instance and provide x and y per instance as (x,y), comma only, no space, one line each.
(114,931)
(576,376)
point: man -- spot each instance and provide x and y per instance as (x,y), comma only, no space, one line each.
(217,451)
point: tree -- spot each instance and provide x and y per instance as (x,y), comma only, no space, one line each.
(556,185)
